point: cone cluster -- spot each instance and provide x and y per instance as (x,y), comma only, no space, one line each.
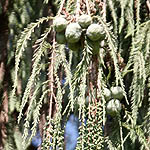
(113,97)
(73,33)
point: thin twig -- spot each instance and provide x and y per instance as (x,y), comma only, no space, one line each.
(148,5)
(121,135)
(78,8)
(61,7)
(51,78)
(104,10)
(88,8)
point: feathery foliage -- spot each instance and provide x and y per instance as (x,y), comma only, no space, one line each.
(120,59)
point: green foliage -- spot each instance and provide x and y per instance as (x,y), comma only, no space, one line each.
(122,60)
(19,15)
